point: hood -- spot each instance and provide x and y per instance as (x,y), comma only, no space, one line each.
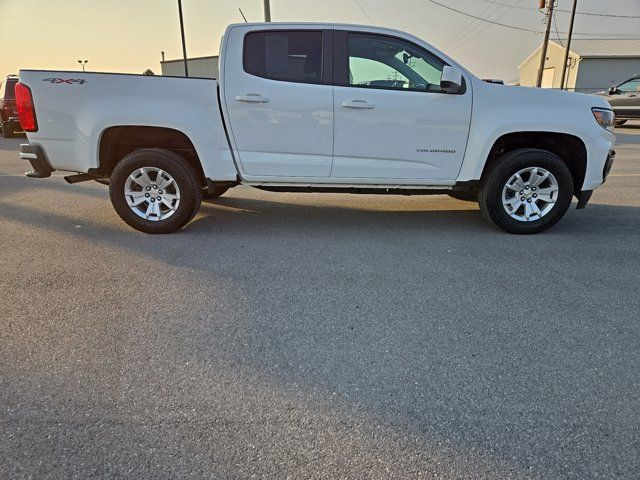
(536,96)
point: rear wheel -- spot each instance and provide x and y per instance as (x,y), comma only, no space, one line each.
(155,191)
(527,191)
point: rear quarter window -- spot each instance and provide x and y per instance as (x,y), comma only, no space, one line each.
(290,56)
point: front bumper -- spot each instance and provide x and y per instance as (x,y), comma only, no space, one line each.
(608,164)
(585,195)
(34,154)
(600,152)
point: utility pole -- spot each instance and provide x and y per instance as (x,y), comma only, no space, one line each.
(83,63)
(184,44)
(267,11)
(568,46)
(545,45)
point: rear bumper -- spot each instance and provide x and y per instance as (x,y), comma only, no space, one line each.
(35,155)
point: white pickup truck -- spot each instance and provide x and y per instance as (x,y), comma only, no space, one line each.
(318,108)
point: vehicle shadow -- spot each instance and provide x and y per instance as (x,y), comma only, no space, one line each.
(381,308)
(9,144)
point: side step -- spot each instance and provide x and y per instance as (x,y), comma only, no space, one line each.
(80,177)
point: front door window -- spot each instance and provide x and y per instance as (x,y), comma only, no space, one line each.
(377,61)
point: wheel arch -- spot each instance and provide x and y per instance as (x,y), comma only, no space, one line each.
(570,148)
(118,141)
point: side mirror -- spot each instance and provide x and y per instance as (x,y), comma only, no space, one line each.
(612,90)
(451,81)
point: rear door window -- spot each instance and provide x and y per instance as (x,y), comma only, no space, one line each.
(289,56)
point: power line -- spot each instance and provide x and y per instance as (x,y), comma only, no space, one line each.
(555,26)
(471,26)
(480,27)
(513,27)
(530,30)
(591,14)
(363,11)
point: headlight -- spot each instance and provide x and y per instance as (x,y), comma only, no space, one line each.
(604,117)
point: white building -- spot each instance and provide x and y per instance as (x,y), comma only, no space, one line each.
(202,67)
(593,64)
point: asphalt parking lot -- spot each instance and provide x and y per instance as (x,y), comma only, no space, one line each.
(317,336)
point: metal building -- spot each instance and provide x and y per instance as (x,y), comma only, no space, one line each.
(594,64)
(202,67)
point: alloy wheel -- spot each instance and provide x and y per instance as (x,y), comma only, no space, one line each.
(152,194)
(530,194)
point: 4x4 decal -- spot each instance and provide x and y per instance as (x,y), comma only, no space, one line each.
(70,81)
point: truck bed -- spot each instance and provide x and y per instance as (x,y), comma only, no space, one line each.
(74,109)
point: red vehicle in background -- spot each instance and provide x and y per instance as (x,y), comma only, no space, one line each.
(8,111)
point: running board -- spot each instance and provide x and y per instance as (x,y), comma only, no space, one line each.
(80,177)
(356,190)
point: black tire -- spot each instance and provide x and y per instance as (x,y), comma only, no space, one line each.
(218,191)
(184,176)
(494,181)
(464,196)
(619,123)
(7,131)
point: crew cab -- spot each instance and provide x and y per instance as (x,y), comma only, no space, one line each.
(318,108)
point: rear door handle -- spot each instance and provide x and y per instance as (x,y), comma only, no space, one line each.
(362,104)
(252,98)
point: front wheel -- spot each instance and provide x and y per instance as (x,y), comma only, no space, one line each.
(527,191)
(155,190)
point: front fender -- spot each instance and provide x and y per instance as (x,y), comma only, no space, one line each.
(501,110)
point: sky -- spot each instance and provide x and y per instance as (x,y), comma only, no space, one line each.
(128,35)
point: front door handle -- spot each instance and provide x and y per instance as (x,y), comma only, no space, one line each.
(632,95)
(252,98)
(362,104)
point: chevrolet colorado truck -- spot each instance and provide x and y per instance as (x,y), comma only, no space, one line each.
(318,108)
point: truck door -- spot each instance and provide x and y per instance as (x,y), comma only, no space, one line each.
(279,101)
(392,119)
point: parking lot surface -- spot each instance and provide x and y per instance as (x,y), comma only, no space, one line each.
(317,336)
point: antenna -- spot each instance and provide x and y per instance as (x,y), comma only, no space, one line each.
(245,18)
